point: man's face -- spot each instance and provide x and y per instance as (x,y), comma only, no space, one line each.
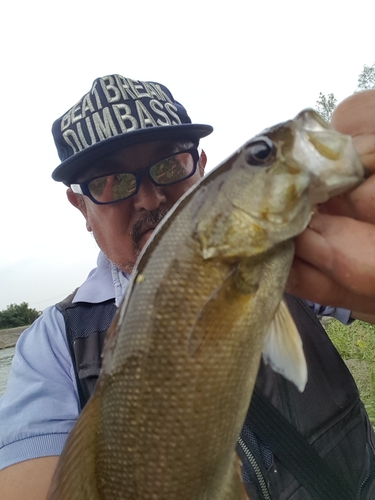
(122,229)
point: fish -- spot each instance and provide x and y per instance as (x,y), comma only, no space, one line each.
(204,304)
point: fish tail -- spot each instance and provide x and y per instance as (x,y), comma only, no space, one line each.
(235,489)
(75,475)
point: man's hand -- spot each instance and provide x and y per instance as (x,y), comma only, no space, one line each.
(335,263)
(335,256)
(27,480)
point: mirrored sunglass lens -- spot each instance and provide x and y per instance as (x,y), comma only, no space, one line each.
(112,187)
(173,169)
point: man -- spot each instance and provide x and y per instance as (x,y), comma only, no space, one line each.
(128,152)
(119,126)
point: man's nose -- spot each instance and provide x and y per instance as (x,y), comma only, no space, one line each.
(149,196)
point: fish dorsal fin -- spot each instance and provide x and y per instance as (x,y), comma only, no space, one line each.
(282,348)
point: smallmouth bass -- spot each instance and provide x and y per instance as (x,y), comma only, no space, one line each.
(204,304)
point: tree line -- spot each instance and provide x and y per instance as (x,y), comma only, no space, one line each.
(326,104)
(18,315)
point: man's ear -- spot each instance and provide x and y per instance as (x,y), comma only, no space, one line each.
(78,201)
(202,162)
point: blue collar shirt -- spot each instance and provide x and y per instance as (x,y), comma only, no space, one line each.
(41,403)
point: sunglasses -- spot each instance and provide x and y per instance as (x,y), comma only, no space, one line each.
(122,185)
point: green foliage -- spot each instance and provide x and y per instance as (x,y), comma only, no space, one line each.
(356,344)
(354,341)
(18,315)
(326,105)
(366,79)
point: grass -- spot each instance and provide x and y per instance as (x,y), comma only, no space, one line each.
(356,344)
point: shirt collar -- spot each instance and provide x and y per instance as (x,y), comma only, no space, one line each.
(103,283)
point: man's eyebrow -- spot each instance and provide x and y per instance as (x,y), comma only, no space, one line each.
(101,167)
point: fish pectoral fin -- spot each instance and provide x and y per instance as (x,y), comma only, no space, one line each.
(283,350)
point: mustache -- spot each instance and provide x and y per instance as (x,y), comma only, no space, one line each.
(149,220)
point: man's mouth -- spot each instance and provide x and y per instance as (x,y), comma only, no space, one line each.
(143,228)
(147,231)
(146,236)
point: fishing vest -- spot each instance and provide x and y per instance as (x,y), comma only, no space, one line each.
(328,414)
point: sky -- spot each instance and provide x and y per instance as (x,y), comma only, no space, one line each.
(239,66)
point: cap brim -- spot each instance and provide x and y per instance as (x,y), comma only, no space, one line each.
(69,170)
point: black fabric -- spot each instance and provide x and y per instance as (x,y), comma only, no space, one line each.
(299,457)
(86,327)
(328,414)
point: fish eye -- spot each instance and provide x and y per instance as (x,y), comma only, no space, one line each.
(260,152)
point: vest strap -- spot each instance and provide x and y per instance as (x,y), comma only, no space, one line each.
(294,451)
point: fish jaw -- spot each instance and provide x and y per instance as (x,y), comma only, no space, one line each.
(245,222)
(330,157)
(303,162)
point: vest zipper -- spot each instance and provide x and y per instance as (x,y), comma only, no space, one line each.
(255,466)
(370,471)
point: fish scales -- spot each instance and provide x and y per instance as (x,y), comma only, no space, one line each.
(182,357)
(174,354)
